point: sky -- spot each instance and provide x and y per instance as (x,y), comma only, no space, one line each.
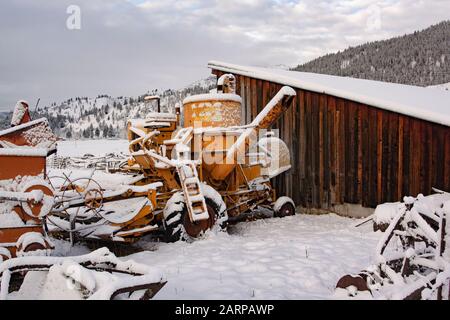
(55,50)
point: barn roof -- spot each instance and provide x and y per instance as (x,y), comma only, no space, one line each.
(429,104)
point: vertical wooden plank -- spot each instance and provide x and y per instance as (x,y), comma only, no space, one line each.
(359,160)
(400,158)
(315,149)
(308,146)
(427,137)
(342,148)
(439,157)
(406,188)
(386,183)
(373,157)
(259,98)
(331,106)
(365,156)
(379,155)
(349,152)
(393,157)
(244,109)
(337,157)
(266,89)
(415,154)
(254,104)
(302,146)
(326,153)
(295,180)
(321,152)
(446,171)
(248,93)
(287,137)
(238,83)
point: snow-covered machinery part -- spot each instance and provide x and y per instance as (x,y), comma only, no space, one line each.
(25,195)
(26,205)
(111,162)
(99,275)
(83,209)
(412,256)
(277,154)
(226,83)
(36,134)
(205,150)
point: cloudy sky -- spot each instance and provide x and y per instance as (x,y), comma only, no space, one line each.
(126,47)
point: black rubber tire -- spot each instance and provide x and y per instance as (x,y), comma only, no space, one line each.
(175,230)
(286,210)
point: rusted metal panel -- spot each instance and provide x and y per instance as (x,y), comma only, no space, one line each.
(13,166)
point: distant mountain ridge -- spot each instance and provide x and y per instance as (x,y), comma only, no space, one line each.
(105,116)
(421,58)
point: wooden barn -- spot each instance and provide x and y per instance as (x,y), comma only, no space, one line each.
(354,143)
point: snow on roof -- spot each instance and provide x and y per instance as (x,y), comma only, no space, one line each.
(213,97)
(418,102)
(24,152)
(22,126)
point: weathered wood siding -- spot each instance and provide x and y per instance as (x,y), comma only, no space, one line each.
(347,152)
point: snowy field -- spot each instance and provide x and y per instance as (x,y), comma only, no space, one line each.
(76,148)
(298,257)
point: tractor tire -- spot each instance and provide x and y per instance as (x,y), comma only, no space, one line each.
(177,222)
(283,207)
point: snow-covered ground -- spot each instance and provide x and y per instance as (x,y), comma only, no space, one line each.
(444,86)
(298,257)
(77,148)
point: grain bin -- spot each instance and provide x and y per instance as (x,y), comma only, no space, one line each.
(212,110)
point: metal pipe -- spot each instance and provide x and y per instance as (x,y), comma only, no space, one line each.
(264,120)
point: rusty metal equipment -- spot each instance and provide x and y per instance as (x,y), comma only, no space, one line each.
(212,168)
(203,174)
(413,255)
(87,275)
(25,195)
(28,197)
(83,209)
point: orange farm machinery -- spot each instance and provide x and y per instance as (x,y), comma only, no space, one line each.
(28,199)
(189,178)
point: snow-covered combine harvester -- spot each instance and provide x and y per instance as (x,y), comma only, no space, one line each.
(212,168)
(413,255)
(207,172)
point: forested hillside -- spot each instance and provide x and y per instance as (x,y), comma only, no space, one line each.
(421,58)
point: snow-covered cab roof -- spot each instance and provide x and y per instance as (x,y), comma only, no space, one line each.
(419,102)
